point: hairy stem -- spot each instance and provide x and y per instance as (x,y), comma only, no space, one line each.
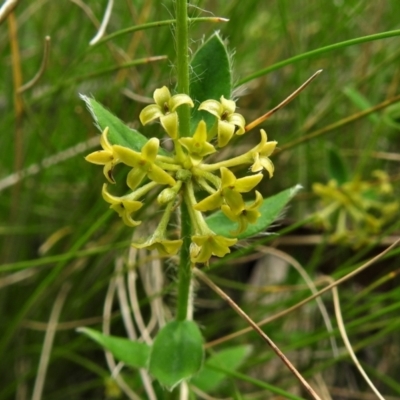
(182,53)
(185,266)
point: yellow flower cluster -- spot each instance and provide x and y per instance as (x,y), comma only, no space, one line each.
(356,211)
(186,170)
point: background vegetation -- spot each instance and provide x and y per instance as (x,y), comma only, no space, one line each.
(59,242)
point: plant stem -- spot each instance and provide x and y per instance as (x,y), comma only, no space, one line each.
(185,266)
(182,53)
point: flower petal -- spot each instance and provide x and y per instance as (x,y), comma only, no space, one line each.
(108,172)
(127,156)
(229,106)
(150,113)
(105,144)
(228,178)
(162,96)
(239,122)
(214,107)
(178,100)
(171,247)
(234,200)
(221,245)
(158,175)
(100,157)
(267,164)
(135,178)
(170,123)
(225,132)
(247,183)
(109,198)
(150,149)
(209,203)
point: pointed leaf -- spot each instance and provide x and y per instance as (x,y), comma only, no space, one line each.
(131,353)
(270,210)
(177,353)
(210,77)
(336,166)
(119,133)
(209,379)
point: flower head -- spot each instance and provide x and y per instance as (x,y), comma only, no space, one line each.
(183,172)
(106,157)
(165,108)
(229,122)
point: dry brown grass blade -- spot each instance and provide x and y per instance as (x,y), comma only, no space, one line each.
(338,124)
(305,301)
(288,99)
(347,343)
(35,79)
(256,328)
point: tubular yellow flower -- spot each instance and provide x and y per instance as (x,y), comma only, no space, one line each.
(164,246)
(229,122)
(106,157)
(123,206)
(230,190)
(165,109)
(197,146)
(205,246)
(158,240)
(249,214)
(261,155)
(143,164)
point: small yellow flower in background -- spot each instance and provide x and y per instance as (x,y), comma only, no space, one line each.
(355,211)
(165,109)
(105,157)
(174,178)
(229,122)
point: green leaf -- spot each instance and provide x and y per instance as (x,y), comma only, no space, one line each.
(210,77)
(270,210)
(134,354)
(119,133)
(209,379)
(177,353)
(336,166)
